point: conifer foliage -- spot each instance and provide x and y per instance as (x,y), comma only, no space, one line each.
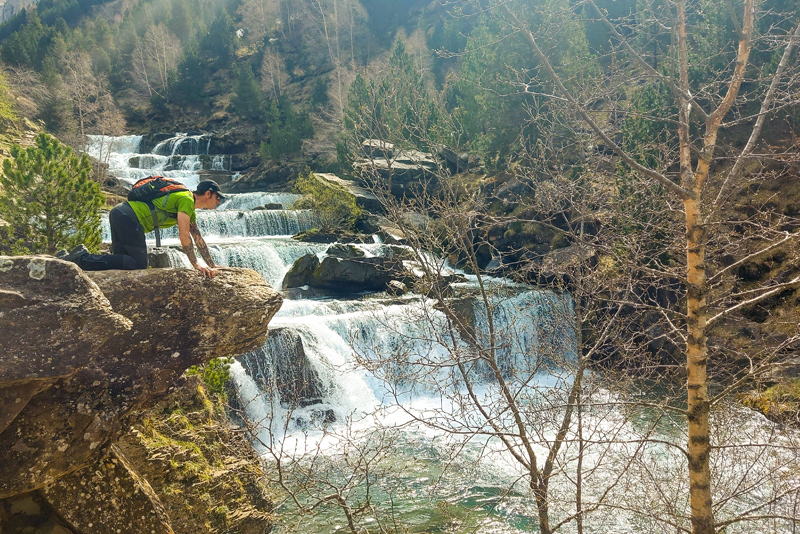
(48,200)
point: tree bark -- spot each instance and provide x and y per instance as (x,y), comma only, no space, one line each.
(699,446)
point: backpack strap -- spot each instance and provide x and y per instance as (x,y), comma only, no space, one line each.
(153,209)
(155,224)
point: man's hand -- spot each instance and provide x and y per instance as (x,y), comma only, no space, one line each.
(208,272)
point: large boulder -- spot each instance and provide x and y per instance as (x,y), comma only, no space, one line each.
(299,274)
(53,319)
(364,198)
(355,275)
(80,353)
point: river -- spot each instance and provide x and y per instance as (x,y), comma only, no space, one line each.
(359,406)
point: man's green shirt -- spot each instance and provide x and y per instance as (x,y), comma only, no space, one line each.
(167,208)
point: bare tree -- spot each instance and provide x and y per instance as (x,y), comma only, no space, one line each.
(82,86)
(274,77)
(705,176)
(680,246)
(93,106)
(154,60)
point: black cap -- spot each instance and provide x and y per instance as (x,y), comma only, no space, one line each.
(209,185)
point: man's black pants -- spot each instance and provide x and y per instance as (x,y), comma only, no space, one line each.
(128,247)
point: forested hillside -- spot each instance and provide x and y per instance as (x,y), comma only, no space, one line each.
(285,70)
(639,156)
(307,81)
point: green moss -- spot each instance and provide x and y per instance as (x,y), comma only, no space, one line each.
(787,391)
(778,402)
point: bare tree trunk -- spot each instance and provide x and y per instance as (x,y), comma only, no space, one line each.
(699,447)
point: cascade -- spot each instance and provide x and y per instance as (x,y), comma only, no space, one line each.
(181,157)
(249,201)
(327,379)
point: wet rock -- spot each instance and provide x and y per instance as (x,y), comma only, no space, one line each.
(396,288)
(355,275)
(315,236)
(301,271)
(284,369)
(165,257)
(428,282)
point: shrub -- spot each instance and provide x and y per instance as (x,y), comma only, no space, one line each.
(215,374)
(335,207)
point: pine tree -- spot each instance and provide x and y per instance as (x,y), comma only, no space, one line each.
(48,199)
(247,101)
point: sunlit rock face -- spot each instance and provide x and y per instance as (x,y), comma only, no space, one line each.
(80,353)
(9,8)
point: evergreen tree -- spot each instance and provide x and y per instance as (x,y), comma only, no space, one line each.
(22,48)
(219,43)
(364,112)
(189,87)
(489,93)
(48,199)
(248,101)
(408,105)
(287,128)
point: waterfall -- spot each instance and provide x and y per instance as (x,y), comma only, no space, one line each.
(183,144)
(248,201)
(340,372)
(339,335)
(233,224)
(271,258)
(181,157)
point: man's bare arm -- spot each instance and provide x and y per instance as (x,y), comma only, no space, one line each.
(184,228)
(201,244)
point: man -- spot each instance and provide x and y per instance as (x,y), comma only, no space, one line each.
(131,220)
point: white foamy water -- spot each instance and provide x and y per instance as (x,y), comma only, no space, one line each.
(379,382)
(180,158)
(248,201)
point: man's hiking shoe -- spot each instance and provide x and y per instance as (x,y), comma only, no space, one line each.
(74,255)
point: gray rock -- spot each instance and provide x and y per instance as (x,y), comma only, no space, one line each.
(355,275)
(347,251)
(287,370)
(301,271)
(80,354)
(127,499)
(396,288)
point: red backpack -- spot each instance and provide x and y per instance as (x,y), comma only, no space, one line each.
(150,188)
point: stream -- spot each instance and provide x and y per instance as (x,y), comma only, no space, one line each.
(359,399)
